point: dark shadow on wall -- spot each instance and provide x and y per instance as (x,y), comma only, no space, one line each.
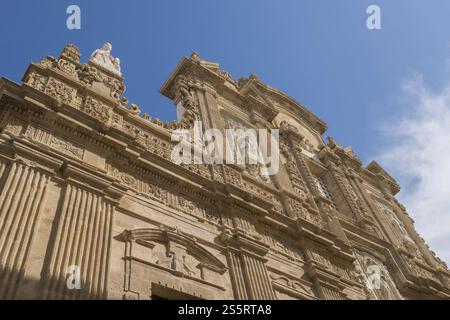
(15,286)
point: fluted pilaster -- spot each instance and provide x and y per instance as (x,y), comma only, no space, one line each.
(21,197)
(246,263)
(237,276)
(82,239)
(257,278)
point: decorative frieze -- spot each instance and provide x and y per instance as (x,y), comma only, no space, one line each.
(200,169)
(233,177)
(59,91)
(319,258)
(64,146)
(13,126)
(253,188)
(37,81)
(97,110)
(300,211)
(59,144)
(218,173)
(280,246)
(171,199)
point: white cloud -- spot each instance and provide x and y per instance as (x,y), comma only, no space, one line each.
(417,153)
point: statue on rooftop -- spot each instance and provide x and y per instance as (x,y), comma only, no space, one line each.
(104,59)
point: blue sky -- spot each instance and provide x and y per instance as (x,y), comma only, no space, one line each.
(318,52)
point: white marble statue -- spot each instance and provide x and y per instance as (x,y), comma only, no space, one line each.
(103,58)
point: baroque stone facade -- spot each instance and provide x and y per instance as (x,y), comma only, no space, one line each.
(87,181)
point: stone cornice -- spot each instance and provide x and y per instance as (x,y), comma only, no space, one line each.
(298,109)
(252,201)
(188,66)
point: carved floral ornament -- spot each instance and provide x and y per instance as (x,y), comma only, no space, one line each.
(97,70)
(99,110)
(59,91)
(185,97)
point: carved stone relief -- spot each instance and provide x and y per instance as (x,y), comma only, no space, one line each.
(175,255)
(59,144)
(374,274)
